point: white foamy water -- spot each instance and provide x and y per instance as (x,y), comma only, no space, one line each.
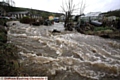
(67,55)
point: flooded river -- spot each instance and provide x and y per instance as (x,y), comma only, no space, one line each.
(65,55)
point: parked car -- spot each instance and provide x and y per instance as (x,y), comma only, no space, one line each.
(96,23)
(4,17)
(12,17)
(56,20)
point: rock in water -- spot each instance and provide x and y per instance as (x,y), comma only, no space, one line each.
(56,31)
(36,24)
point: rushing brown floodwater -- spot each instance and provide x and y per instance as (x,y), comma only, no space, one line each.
(67,55)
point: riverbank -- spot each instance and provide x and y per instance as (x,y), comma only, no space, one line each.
(9,63)
(105,33)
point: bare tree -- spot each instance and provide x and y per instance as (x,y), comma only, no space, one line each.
(82,7)
(68,7)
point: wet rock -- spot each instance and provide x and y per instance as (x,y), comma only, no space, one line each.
(94,51)
(105,36)
(79,30)
(69,27)
(14,24)
(36,24)
(56,31)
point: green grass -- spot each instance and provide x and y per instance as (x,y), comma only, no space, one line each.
(102,28)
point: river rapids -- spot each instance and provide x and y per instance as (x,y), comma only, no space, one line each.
(66,55)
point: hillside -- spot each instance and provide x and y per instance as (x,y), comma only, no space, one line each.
(34,11)
(112,13)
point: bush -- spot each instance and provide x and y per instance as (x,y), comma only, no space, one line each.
(108,31)
(27,20)
(2,21)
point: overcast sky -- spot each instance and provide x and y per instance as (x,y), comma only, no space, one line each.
(54,5)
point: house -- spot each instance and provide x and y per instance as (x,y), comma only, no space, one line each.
(111,18)
(92,16)
(4,4)
(51,17)
(19,15)
(62,17)
(22,14)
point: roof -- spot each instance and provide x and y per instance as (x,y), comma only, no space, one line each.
(93,14)
(4,3)
(22,12)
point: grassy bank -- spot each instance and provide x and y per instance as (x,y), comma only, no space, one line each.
(9,63)
(105,32)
